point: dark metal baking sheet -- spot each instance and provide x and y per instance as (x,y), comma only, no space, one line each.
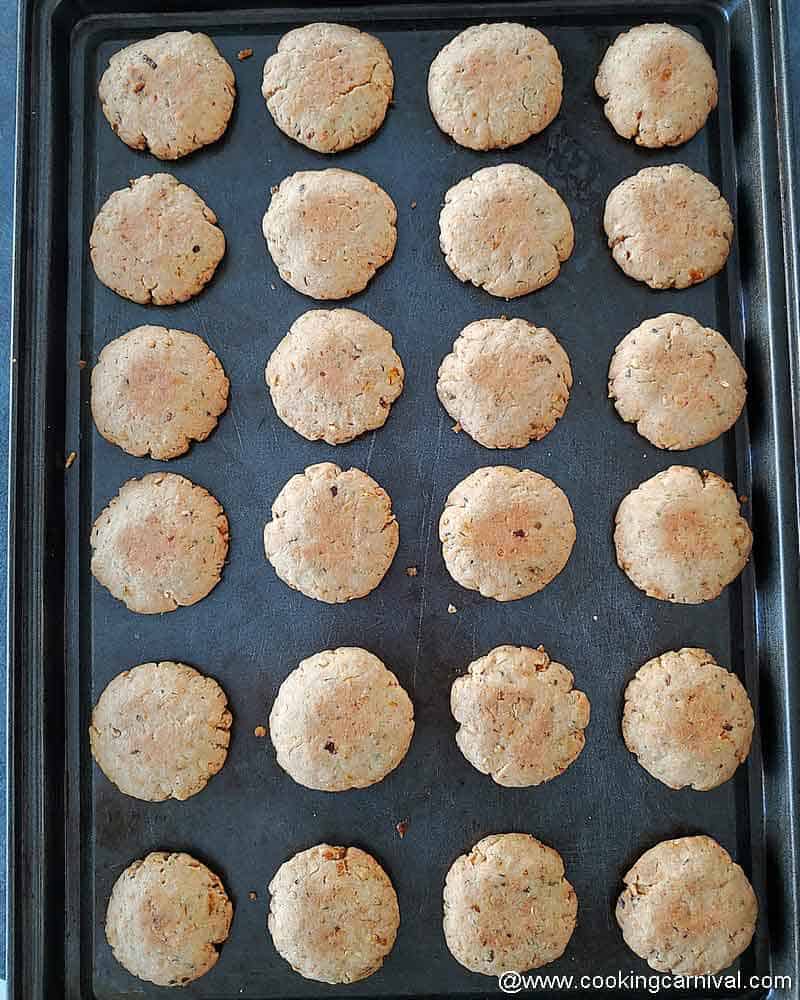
(73,833)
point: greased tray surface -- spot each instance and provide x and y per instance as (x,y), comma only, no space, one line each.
(252,630)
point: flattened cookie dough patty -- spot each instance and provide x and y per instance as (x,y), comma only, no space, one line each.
(668,227)
(328,86)
(155,390)
(165,918)
(680,383)
(161,543)
(160,731)
(680,537)
(334,375)
(170,94)
(520,719)
(658,84)
(495,85)
(508,906)
(333,535)
(505,230)
(333,914)
(156,241)
(506,382)
(687,908)
(687,720)
(341,720)
(506,532)
(328,231)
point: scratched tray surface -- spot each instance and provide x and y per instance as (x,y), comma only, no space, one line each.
(252,630)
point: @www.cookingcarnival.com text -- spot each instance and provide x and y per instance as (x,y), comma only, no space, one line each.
(518,982)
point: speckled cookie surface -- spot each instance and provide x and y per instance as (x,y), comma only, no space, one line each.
(505,230)
(508,905)
(687,908)
(328,231)
(328,86)
(495,85)
(333,914)
(156,241)
(335,375)
(160,544)
(160,731)
(506,532)
(341,720)
(333,534)
(154,391)
(170,94)
(680,383)
(668,226)
(687,720)
(506,382)
(680,537)
(520,719)
(658,84)
(165,918)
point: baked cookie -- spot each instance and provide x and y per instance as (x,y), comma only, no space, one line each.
(165,918)
(160,544)
(687,720)
(328,86)
(505,230)
(687,908)
(156,241)
(160,731)
(334,375)
(328,231)
(333,914)
(333,535)
(506,532)
(154,391)
(341,720)
(520,719)
(680,537)
(668,227)
(659,85)
(508,906)
(170,94)
(680,383)
(506,382)
(495,85)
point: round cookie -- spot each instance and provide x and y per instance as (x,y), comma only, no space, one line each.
(328,231)
(328,86)
(333,914)
(680,383)
(341,720)
(506,382)
(687,908)
(687,720)
(160,731)
(160,544)
(333,535)
(166,915)
(156,242)
(680,537)
(170,94)
(668,227)
(505,230)
(334,375)
(508,906)
(659,85)
(506,532)
(155,390)
(495,85)
(520,719)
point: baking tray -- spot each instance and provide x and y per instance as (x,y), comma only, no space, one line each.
(71,832)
